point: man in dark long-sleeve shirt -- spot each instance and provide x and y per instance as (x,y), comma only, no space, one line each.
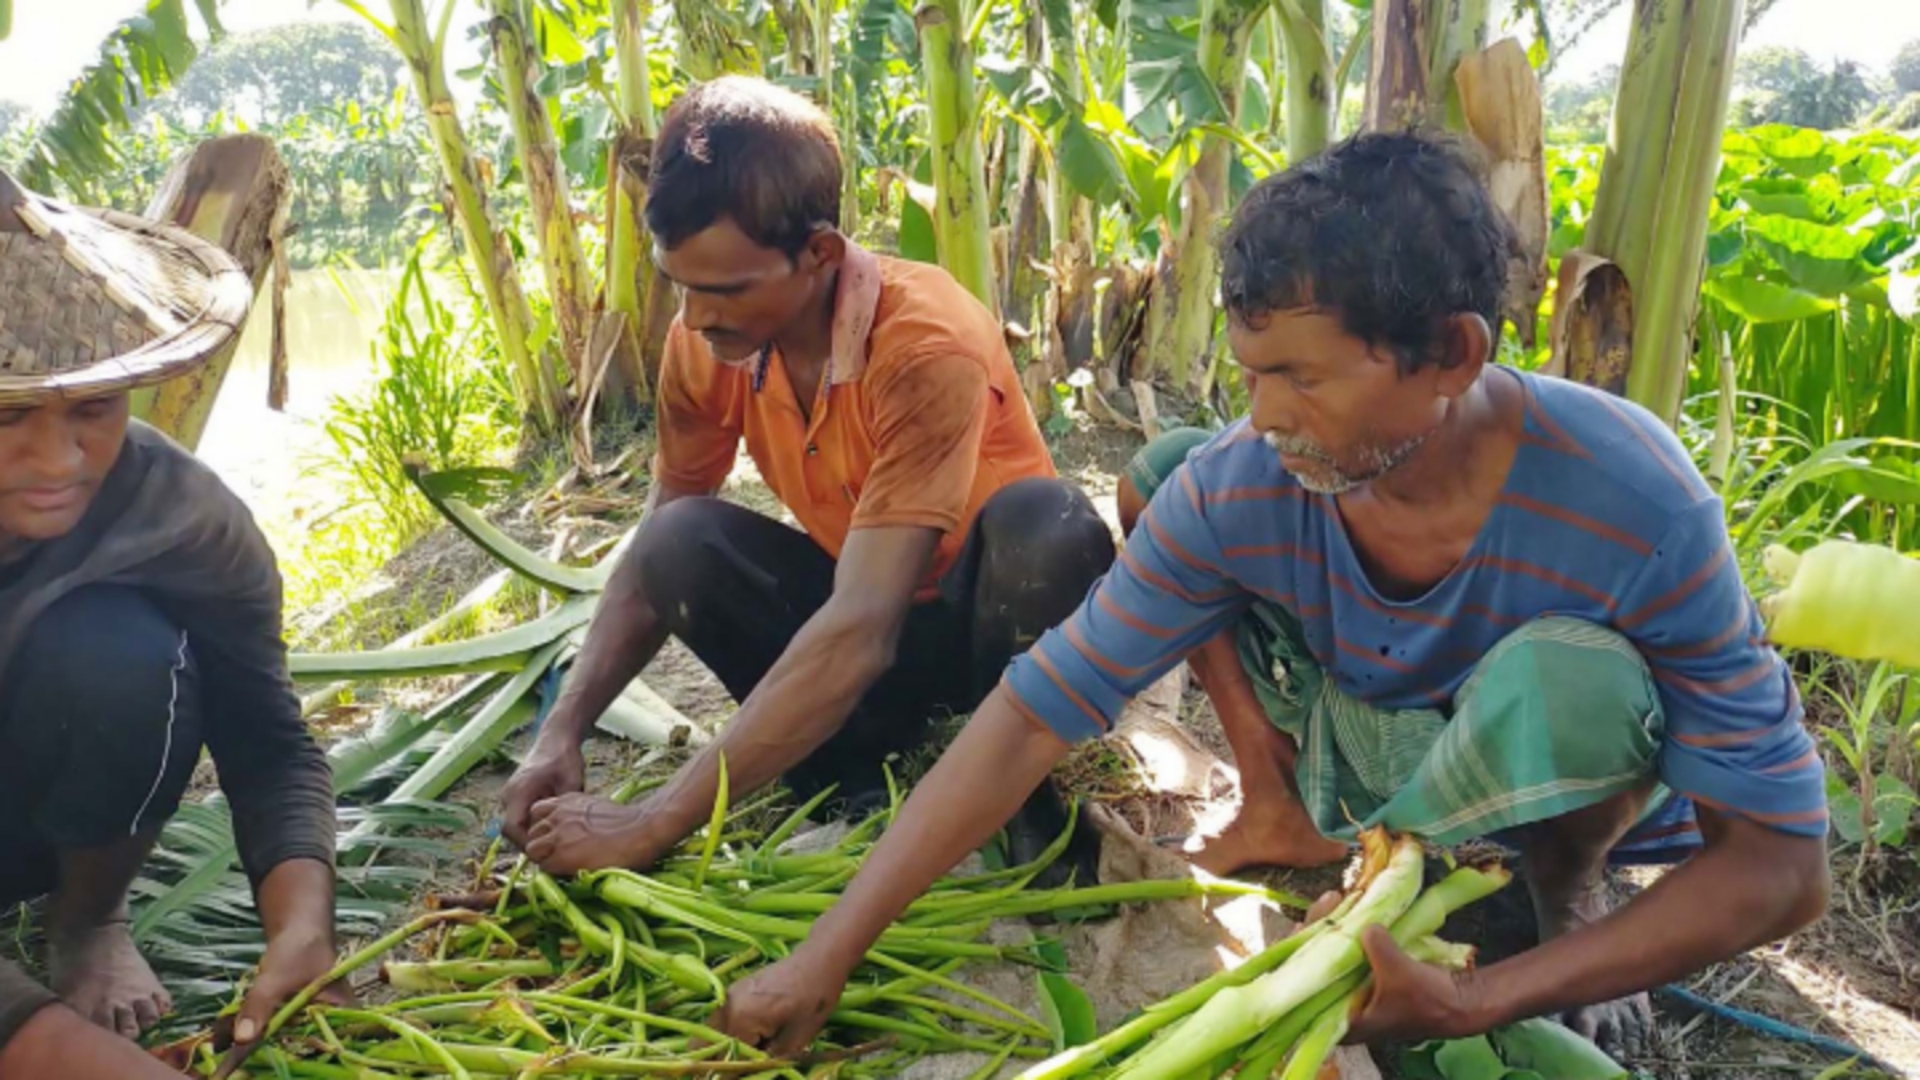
(140,619)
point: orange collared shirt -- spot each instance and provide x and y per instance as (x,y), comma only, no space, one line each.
(918,421)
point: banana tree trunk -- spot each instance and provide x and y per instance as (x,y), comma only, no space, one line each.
(1416,46)
(569,279)
(960,224)
(632,280)
(1181,314)
(1309,92)
(1656,182)
(423,47)
(230,191)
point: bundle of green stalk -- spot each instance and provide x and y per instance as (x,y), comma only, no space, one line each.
(615,973)
(1282,1013)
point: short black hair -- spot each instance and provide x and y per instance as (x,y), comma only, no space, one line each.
(748,151)
(1393,232)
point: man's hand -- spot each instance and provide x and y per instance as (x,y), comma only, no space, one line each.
(783,1007)
(292,963)
(577,832)
(553,768)
(1411,1000)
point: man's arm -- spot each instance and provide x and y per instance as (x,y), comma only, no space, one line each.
(699,438)
(996,762)
(837,655)
(622,639)
(1749,886)
(1164,598)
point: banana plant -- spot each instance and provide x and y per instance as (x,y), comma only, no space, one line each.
(420,36)
(1650,215)
(140,59)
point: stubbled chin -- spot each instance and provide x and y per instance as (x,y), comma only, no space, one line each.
(36,526)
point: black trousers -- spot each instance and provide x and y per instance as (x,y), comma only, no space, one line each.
(100,729)
(735,587)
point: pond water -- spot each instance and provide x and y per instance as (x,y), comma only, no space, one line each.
(332,320)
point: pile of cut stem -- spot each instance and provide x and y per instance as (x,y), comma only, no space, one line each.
(1282,1013)
(616,973)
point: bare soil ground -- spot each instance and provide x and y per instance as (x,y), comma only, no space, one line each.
(1850,978)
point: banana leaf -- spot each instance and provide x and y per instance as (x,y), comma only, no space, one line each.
(440,489)
(506,650)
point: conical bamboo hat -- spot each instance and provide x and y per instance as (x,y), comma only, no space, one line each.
(95,302)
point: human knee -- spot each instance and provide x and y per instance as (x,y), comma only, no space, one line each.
(92,642)
(1053,525)
(113,690)
(1566,668)
(676,548)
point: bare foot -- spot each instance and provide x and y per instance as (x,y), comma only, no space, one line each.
(1259,837)
(1620,1027)
(101,975)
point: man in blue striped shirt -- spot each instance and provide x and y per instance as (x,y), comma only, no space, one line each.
(1424,592)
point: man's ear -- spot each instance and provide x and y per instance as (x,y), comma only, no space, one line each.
(1468,343)
(825,249)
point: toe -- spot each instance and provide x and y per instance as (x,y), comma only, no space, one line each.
(124,1021)
(146,1012)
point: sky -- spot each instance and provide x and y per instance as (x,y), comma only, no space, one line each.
(54,39)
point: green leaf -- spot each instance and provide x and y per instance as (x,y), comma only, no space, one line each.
(1765,302)
(1064,1007)
(1886,479)
(1799,151)
(502,651)
(1786,196)
(537,568)
(917,238)
(1822,259)
(1570,235)
(1089,164)
(1554,1050)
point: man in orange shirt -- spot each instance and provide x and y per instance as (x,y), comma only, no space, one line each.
(878,400)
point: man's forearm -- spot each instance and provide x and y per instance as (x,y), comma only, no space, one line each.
(800,704)
(296,898)
(1731,897)
(623,638)
(983,778)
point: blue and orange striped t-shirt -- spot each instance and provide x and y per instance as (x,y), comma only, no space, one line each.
(1602,517)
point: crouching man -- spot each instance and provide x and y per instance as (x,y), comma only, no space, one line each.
(1426,591)
(139,622)
(878,401)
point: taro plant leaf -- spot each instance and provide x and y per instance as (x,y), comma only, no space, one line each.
(1764,301)
(1553,1050)
(1893,805)
(1786,196)
(1822,259)
(1064,1007)
(1799,151)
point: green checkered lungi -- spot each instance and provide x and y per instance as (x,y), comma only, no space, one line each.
(1559,715)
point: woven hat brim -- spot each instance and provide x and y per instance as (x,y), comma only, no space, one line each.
(228,297)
